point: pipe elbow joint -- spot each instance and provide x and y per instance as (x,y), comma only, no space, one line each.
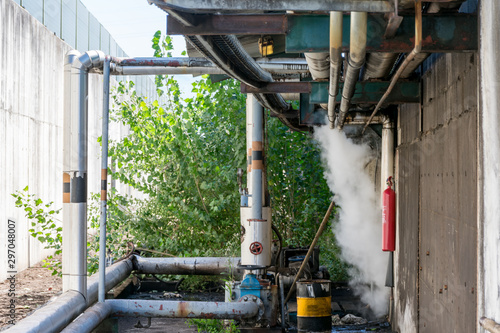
(91,59)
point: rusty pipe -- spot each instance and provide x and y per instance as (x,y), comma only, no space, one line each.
(54,316)
(415,52)
(183,309)
(356,60)
(335,62)
(187,266)
(90,319)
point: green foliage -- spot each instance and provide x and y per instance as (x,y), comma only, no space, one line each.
(118,230)
(43,225)
(213,326)
(184,156)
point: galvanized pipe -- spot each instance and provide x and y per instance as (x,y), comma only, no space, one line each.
(183,309)
(355,61)
(488,177)
(199,66)
(104,178)
(75,168)
(90,319)
(335,62)
(187,266)
(54,316)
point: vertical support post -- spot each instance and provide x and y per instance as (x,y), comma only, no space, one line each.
(75,175)
(104,179)
(488,163)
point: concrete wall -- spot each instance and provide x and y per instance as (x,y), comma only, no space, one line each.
(31,115)
(436,258)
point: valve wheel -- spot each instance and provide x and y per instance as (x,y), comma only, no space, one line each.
(256,248)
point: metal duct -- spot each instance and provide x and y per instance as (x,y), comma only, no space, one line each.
(355,62)
(379,65)
(319,65)
(228,54)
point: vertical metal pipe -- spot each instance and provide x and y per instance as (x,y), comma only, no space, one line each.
(249,127)
(75,175)
(70,105)
(104,178)
(257,159)
(356,60)
(387,161)
(488,162)
(335,62)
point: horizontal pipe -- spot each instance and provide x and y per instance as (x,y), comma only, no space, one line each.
(198,66)
(57,314)
(90,319)
(54,316)
(187,266)
(183,309)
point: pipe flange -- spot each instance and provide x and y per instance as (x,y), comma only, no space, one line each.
(254,299)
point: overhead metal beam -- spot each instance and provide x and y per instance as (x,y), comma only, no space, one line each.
(256,6)
(440,33)
(207,24)
(365,92)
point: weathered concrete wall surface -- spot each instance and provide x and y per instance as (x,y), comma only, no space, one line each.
(31,109)
(436,263)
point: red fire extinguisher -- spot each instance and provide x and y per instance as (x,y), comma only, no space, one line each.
(389,218)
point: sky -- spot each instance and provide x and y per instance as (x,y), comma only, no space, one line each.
(132,23)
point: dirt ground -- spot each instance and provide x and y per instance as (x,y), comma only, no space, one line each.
(35,286)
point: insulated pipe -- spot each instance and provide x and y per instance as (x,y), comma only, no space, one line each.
(488,176)
(387,162)
(409,59)
(378,65)
(183,309)
(257,158)
(75,168)
(90,319)
(335,62)
(54,316)
(318,65)
(186,266)
(255,220)
(354,63)
(104,178)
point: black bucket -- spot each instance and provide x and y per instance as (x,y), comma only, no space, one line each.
(314,306)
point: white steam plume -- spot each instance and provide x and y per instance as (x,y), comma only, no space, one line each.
(359,230)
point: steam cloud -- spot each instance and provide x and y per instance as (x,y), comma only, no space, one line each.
(359,230)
